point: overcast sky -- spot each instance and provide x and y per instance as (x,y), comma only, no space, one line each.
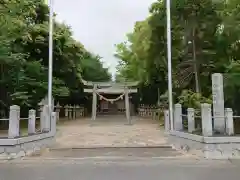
(100,24)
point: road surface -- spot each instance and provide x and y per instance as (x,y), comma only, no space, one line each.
(116,165)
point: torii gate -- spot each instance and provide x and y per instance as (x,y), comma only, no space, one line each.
(97,88)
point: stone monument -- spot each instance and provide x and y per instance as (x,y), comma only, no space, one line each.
(218,102)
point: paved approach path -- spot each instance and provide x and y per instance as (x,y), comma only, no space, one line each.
(109,131)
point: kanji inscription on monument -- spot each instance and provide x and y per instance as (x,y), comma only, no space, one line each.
(218,102)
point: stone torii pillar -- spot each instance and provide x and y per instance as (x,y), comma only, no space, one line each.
(127,107)
(94,103)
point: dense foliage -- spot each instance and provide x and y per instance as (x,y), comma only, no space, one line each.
(205,40)
(24,57)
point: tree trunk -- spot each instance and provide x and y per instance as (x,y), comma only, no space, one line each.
(195,64)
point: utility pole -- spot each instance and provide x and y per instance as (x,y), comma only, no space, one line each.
(50,60)
(169,55)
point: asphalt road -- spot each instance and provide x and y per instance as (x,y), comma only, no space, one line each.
(118,169)
(117,164)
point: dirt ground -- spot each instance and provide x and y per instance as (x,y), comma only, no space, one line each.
(109,131)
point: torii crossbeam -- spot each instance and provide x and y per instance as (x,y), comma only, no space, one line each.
(125,88)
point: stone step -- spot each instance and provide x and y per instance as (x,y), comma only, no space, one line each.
(113,152)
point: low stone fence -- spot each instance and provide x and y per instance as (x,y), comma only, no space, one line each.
(153,112)
(13,145)
(70,112)
(205,142)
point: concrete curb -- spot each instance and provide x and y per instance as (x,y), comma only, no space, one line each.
(108,159)
(110,147)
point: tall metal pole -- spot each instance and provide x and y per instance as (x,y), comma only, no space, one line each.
(50,60)
(169,54)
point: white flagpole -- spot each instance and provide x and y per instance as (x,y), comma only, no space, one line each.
(50,60)
(169,54)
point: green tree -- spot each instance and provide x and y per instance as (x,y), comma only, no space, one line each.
(205,40)
(24,57)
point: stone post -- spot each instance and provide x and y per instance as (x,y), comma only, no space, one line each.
(53,123)
(32,121)
(70,114)
(42,117)
(94,103)
(45,119)
(154,117)
(191,120)
(218,102)
(206,114)
(74,112)
(69,111)
(166,120)
(82,112)
(40,109)
(229,121)
(127,107)
(52,105)
(66,110)
(58,108)
(178,125)
(14,118)
(77,111)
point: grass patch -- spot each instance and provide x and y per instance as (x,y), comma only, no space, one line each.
(24,126)
(237,125)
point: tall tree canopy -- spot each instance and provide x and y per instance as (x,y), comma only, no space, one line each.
(24,57)
(205,40)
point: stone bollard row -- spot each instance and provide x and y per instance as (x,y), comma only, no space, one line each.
(73,112)
(206,117)
(47,124)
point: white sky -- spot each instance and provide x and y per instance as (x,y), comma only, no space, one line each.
(100,24)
